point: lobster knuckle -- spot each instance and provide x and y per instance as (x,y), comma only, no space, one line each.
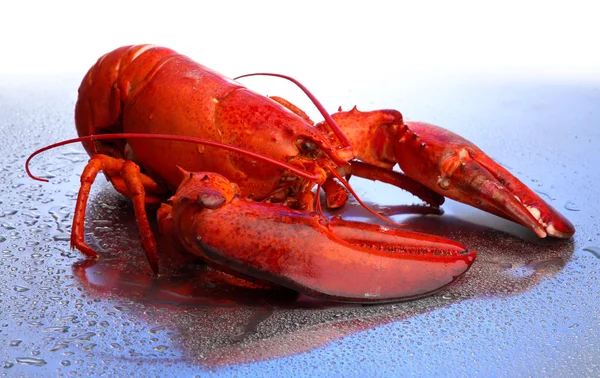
(373,134)
(210,190)
(211,199)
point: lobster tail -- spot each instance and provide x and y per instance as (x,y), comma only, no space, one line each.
(108,84)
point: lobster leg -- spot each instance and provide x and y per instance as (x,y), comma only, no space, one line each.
(331,259)
(291,107)
(335,194)
(132,184)
(131,175)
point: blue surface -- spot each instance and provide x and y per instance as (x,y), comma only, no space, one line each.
(527,306)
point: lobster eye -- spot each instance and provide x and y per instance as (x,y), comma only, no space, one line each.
(306,145)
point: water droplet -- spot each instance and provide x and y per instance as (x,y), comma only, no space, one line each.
(88,347)
(86,336)
(449,296)
(31,215)
(7,365)
(103,229)
(31,361)
(545,263)
(21,289)
(61,237)
(593,250)
(161,348)
(156,330)
(69,318)
(59,213)
(15,343)
(8,226)
(58,346)
(570,205)
(73,151)
(546,195)
(61,329)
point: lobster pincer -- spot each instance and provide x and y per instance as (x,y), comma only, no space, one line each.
(456,168)
(449,165)
(331,259)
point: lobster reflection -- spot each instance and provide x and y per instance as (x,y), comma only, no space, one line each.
(272,322)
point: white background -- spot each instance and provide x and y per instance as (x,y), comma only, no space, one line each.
(344,39)
(347,52)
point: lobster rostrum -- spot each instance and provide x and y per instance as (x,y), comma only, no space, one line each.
(242,168)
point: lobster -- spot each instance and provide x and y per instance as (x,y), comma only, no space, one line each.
(240,169)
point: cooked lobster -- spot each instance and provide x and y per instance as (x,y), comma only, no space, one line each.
(239,169)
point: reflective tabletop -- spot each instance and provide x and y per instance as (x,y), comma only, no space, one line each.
(528,306)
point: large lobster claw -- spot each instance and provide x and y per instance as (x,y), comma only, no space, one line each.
(447,164)
(456,168)
(332,259)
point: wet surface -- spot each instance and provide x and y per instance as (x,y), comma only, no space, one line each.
(526,307)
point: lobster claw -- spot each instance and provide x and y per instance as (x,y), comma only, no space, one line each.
(330,259)
(456,168)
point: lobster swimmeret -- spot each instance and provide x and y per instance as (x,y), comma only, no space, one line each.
(249,210)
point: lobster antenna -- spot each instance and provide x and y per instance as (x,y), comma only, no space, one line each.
(206,142)
(178,138)
(346,185)
(334,126)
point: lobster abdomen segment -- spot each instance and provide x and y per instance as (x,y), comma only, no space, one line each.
(107,85)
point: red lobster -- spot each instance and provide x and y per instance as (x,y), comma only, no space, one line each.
(242,168)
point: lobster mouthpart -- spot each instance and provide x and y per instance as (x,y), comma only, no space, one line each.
(331,259)
(456,168)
